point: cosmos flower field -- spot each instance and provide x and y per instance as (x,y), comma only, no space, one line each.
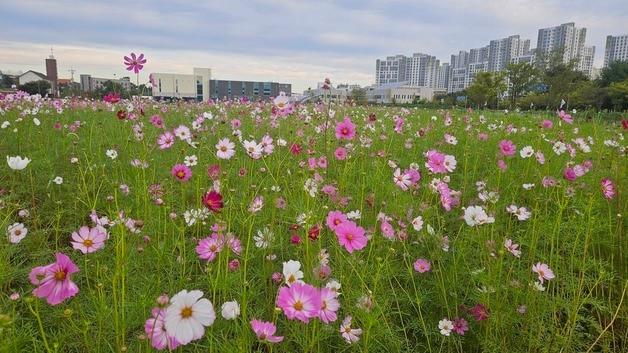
(239,226)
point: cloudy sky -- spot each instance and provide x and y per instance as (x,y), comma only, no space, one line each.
(293,41)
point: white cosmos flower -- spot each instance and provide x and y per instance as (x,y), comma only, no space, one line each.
(190,161)
(417,223)
(17,162)
(230,310)
(36,122)
(253,149)
(225,149)
(58,180)
(16,232)
(445,327)
(526,152)
(450,163)
(354,214)
(475,215)
(113,154)
(292,272)
(188,315)
(263,238)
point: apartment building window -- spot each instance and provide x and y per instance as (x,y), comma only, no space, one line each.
(159,85)
(176,83)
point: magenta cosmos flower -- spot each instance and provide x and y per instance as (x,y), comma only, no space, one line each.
(134,63)
(88,240)
(351,236)
(181,172)
(345,129)
(300,301)
(435,162)
(507,147)
(265,331)
(334,219)
(208,248)
(54,281)
(213,201)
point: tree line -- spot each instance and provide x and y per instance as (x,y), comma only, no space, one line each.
(547,84)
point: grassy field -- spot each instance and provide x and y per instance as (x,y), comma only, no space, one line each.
(276,209)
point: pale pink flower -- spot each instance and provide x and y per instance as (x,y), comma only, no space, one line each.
(265,331)
(87,240)
(543,271)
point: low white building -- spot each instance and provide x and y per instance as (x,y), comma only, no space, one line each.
(31,76)
(183,86)
(400,93)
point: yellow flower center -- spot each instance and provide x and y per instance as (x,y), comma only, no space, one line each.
(186,312)
(88,243)
(60,275)
(298,305)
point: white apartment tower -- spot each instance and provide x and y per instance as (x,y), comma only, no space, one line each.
(616,49)
(566,37)
(391,70)
(501,52)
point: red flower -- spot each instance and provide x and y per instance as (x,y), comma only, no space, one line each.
(213,201)
(295,149)
(624,124)
(314,232)
(121,114)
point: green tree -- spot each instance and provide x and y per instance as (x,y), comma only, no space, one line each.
(487,88)
(618,93)
(561,79)
(36,87)
(617,71)
(358,95)
(521,77)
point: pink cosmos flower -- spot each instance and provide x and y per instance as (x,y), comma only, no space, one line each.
(88,240)
(181,172)
(436,162)
(422,266)
(543,271)
(502,165)
(569,174)
(53,280)
(387,230)
(608,188)
(156,331)
(351,236)
(208,248)
(549,181)
(345,129)
(340,153)
(402,180)
(415,175)
(157,121)
(460,326)
(334,219)
(165,140)
(265,331)
(351,335)
(547,124)
(300,301)
(512,248)
(134,63)
(329,305)
(507,147)
(565,117)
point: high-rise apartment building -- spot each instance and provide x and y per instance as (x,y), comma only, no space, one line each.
(567,37)
(391,70)
(616,49)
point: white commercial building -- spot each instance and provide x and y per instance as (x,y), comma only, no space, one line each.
(616,49)
(400,93)
(183,86)
(390,70)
